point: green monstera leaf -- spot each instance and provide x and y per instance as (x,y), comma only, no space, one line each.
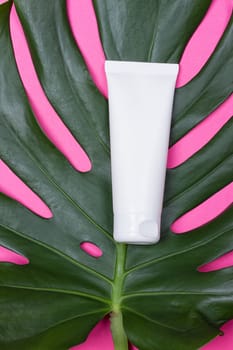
(156,296)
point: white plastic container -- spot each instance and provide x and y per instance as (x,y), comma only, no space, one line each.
(140,108)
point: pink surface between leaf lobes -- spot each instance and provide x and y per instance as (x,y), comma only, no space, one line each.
(13,187)
(9,256)
(214,23)
(46,116)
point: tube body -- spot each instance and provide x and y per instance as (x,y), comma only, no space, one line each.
(140,107)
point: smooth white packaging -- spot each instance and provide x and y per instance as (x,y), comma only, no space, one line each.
(140,107)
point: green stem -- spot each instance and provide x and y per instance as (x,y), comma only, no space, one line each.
(118,333)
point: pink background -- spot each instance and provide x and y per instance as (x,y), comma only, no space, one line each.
(85,31)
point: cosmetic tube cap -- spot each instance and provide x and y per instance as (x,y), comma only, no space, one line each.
(136,228)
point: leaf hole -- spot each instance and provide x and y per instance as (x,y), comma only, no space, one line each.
(91,249)
(8,256)
(222,262)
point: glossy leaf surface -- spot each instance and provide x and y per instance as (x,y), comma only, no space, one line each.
(53,302)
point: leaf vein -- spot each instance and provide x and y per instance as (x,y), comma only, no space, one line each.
(195,246)
(54,290)
(152,320)
(53,182)
(56,251)
(199,181)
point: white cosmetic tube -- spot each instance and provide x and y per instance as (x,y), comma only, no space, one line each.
(140,108)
